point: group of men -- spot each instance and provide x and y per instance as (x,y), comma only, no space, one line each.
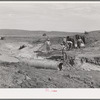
(71,43)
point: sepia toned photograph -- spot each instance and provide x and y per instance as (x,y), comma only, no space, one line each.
(49,45)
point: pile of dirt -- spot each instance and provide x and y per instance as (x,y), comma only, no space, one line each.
(89,67)
(26,53)
(13,50)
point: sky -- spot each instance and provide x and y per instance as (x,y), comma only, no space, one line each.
(55,16)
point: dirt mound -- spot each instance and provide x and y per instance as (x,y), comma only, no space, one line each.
(15,45)
(12,50)
(26,53)
(89,67)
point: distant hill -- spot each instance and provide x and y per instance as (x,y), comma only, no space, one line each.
(33,36)
(26,33)
(95,34)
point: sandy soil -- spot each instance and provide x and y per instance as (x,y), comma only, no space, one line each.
(20,75)
(15,73)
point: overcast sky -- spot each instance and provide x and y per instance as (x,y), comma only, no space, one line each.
(50,16)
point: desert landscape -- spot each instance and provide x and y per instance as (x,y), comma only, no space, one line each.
(24,62)
(49,45)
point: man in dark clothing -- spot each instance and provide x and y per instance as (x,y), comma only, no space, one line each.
(76,37)
(83,38)
(69,42)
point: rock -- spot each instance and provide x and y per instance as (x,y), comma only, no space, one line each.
(19,81)
(49,79)
(28,78)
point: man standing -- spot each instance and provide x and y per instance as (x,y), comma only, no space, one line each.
(80,43)
(63,51)
(48,44)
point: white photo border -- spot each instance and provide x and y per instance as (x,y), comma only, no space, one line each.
(42,93)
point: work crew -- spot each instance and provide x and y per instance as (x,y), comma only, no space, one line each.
(77,41)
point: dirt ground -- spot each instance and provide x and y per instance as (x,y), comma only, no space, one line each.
(15,73)
(21,75)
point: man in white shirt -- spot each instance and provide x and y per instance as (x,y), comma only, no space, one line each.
(48,44)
